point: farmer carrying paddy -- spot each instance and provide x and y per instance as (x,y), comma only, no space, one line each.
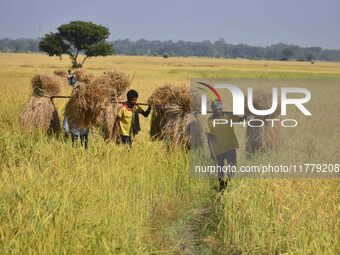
(70,78)
(128,117)
(75,132)
(222,142)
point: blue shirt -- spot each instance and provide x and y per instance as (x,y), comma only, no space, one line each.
(71,80)
(74,130)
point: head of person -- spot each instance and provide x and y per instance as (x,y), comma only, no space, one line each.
(69,71)
(132,97)
(216,106)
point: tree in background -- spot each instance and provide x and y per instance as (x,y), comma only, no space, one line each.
(77,37)
(310,57)
(287,53)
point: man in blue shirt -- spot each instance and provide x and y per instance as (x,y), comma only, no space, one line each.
(70,78)
(75,133)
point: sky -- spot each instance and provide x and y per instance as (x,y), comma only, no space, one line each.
(253,22)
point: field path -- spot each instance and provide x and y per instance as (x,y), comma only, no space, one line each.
(196,232)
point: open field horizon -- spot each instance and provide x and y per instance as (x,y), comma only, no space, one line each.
(55,199)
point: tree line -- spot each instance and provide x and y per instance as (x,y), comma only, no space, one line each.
(218,49)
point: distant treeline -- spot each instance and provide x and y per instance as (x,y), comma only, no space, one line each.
(219,49)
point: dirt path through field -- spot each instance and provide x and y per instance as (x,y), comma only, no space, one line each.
(196,232)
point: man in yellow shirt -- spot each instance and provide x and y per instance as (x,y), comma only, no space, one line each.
(222,142)
(128,119)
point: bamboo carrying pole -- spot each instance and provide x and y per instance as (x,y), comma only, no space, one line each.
(52,97)
(213,112)
(60,97)
(120,102)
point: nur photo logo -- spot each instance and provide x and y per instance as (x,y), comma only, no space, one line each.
(280,99)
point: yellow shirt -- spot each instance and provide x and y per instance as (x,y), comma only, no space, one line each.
(223,135)
(124,116)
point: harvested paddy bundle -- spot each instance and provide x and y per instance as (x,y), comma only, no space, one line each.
(95,103)
(107,121)
(60,73)
(119,83)
(265,135)
(260,139)
(78,107)
(262,101)
(40,111)
(83,76)
(86,104)
(115,80)
(170,118)
(46,85)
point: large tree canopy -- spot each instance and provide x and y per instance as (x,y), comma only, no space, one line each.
(77,37)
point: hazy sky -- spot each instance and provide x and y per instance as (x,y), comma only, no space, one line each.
(254,22)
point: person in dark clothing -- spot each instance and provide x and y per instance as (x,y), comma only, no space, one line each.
(70,78)
(83,133)
(222,142)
